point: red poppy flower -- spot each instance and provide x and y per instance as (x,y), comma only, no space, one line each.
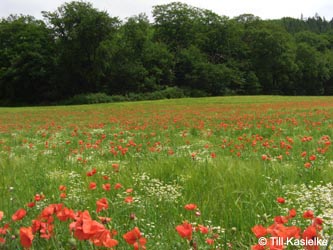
(104,239)
(318,223)
(102,204)
(307,164)
(31,204)
(210,241)
(19,214)
(1,215)
(202,229)
(259,231)
(312,157)
(39,197)
(264,157)
(26,236)
(281,219)
(129,199)
(62,188)
(132,236)
(140,244)
(117,186)
(92,185)
(280,200)
(185,230)
(292,213)
(308,214)
(190,206)
(115,166)
(106,186)
(65,214)
(92,172)
(309,233)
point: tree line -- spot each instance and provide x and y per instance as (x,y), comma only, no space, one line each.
(78,49)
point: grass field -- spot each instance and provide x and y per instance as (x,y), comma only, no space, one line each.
(174,174)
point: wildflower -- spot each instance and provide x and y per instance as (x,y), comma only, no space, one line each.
(102,204)
(92,185)
(132,236)
(65,214)
(312,157)
(185,230)
(210,241)
(115,167)
(31,204)
(19,214)
(202,229)
(62,188)
(309,233)
(292,213)
(92,172)
(280,200)
(307,164)
(1,215)
(281,219)
(117,186)
(264,157)
(308,214)
(140,244)
(259,231)
(84,227)
(39,197)
(26,236)
(190,206)
(106,186)
(129,199)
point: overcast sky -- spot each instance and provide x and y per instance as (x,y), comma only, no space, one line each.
(266,9)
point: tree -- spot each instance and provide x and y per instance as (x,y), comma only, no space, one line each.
(272,53)
(178,25)
(80,30)
(26,61)
(138,63)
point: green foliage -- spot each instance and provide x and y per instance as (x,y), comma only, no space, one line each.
(79,30)
(93,98)
(79,50)
(26,60)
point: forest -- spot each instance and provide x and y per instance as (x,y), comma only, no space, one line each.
(79,51)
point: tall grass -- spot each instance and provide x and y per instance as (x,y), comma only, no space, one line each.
(207,151)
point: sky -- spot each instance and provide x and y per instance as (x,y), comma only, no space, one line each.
(265,9)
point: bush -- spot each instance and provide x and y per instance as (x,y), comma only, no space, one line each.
(90,98)
(93,98)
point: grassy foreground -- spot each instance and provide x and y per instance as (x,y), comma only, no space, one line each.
(97,176)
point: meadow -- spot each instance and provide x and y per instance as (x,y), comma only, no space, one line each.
(205,173)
